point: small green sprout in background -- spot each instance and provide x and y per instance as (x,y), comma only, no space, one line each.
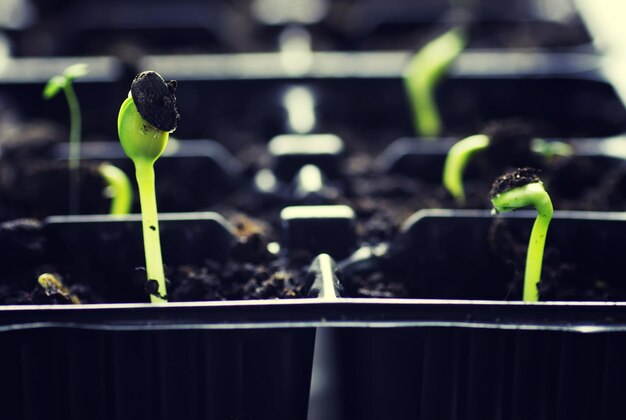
(52,285)
(144,123)
(53,87)
(551,149)
(119,189)
(519,189)
(462,152)
(422,75)
(456,161)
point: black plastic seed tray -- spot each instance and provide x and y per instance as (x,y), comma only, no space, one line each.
(128,361)
(98,27)
(242,96)
(458,349)
(430,358)
(480,359)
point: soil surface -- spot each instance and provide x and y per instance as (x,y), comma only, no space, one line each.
(250,272)
(383,202)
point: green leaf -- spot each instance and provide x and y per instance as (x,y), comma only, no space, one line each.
(75,71)
(54,86)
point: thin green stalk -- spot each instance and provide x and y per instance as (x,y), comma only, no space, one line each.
(52,88)
(533,194)
(119,189)
(456,161)
(422,75)
(74,152)
(150,226)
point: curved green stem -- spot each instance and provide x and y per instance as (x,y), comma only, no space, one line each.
(74,152)
(456,161)
(533,194)
(120,189)
(422,74)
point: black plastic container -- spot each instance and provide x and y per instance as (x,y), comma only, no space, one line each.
(481,358)
(100,27)
(568,92)
(210,360)
(413,157)
(241,96)
(192,175)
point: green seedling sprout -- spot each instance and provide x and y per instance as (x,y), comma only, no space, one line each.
(119,189)
(52,88)
(462,152)
(519,189)
(456,161)
(551,149)
(52,285)
(422,75)
(144,123)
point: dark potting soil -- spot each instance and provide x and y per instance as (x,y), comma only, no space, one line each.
(577,183)
(250,272)
(383,202)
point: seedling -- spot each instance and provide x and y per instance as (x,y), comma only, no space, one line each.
(53,87)
(422,75)
(519,189)
(52,285)
(457,159)
(462,152)
(118,189)
(145,120)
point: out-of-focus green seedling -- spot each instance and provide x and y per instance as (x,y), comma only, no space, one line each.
(63,83)
(513,191)
(119,189)
(144,122)
(462,152)
(551,149)
(52,285)
(457,159)
(422,75)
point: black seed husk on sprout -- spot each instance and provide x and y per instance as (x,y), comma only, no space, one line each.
(155,100)
(515,179)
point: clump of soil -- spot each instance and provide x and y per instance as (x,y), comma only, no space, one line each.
(512,180)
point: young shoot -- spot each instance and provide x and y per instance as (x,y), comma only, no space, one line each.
(52,285)
(551,149)
(145,120)
(53,87)
(422,75)
(119,189)
(457,159)
(515,190)
(463,151)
